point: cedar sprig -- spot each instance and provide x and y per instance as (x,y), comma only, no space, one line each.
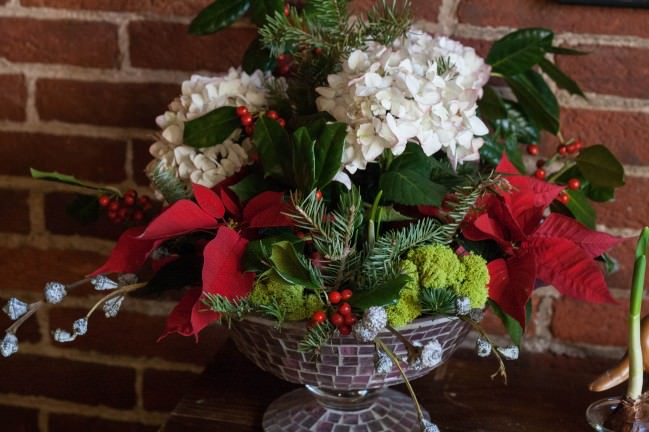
(315,337)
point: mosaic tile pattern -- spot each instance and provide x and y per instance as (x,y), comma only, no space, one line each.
(299,411)
(344,363)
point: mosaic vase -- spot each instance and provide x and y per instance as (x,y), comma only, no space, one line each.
(343,392)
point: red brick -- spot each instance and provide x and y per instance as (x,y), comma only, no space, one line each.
(29,331)
(141,158)
(622,132)
(80,43)
(75,381)
(96,159)
(600,324)
(58,220)
(630,208)
(16,419)
(28,269)
(116,336)
(162,45)
(161,7)
(13,95)
(162,390)
(73,423)
(551,14)
(624,254)
(426,9)
(14,211)
(103,103)
(626,72)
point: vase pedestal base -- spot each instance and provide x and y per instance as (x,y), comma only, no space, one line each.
(302,410)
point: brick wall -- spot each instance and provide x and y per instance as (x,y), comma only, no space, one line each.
(81,82)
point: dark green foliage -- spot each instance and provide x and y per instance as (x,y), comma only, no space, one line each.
(212,128)
(218,15)
(315,337)
(84,209)
(384,293)
(438,301)
(171,188)
(257,56)
(600,167)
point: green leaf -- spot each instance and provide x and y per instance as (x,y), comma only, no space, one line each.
(288,266)
(536,99)
(218,15)
(385,294)
(513,151)
(257,255)
(389,214)
(274,147)
(249,187)
(491,105)
(519,51)
(600,167)
(580,208)
(413,158)
(512,326)
(598,193)
(491,151)
(565,51)
(517,124)
(84,209)
(262,9)
(304,168)
(212,128)
(329,152)
(257,56)
(410,187)
(560,78)
(70,180)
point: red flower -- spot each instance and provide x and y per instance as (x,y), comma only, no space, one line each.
(557,250)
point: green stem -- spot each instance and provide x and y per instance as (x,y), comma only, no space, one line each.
(634,390)
(556,175)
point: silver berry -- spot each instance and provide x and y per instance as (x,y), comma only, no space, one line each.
(102,283)
(80,326)
(15,308)
(483,347)
(382,363)
(111,306)
(463,306)
(431,354)
(9,345)
(428,426)
(54,292)
(509,352)
(62,336)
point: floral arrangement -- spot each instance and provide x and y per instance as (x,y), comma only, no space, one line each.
(357,174)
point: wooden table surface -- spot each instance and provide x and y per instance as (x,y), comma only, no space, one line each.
(546,393)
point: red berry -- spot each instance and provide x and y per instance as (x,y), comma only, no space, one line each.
(334,297)
(242,110)
(281,122)
(104,200)
(337,319)
(533,149)
(112,215)
(138,215)
(564,198)
(282,58)
(345,330)
(574,184)
(144,201)
(317,51)
(129,200)
(250,129)
(318,195)
(299,234)
(284,69)
(113,206)
(539,173)
(287,9)
(122,213)
(350,319)
(572,148)
(344,309)
(130,192)
(578,144)
(272,114)
(346,294)
(562,150)
(246,120)
(540,163)
(318,317)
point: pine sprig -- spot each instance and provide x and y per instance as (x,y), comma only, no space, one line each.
(274,310)
(171,188)
(229,309)
(438,301)
(315,337)
(386,22)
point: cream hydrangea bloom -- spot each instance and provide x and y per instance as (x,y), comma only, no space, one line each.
(392,95)
(210,165)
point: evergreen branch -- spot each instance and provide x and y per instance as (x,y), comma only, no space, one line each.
(386,22)
(228,308)
(171,188)
(275,311)
(438,301)
(315,337)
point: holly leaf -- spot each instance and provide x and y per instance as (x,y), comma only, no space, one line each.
(491,105)
(569,268)
(384,294)
(329,152)
(129,253)
(580,208)
(511,283)
(304,163)
(70,180)
(274,147)
(266,210)
(257,255)
(179,218)
(212,128)
(600,167)
(536,99)
(263,9)
(560,78)
(409,187)
(599,194)
(288,266)
(257,56)
(519,51)
(250,186)
(218,15)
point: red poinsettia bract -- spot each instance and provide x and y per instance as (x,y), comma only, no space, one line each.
(221,256)
(557,250)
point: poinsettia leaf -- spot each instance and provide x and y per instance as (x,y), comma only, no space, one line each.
(560,78)
(212,128)
(384,294)
(266,210)
(179,218)
(289,267)
(571,270)
(208,201)
(513,327)
(304,164)
(594,243)
(600,167)
(518,51)
(180,319)
(257,56)
(511,283)
(129,253)
(536,99)
(274,147)
(218,15)
(222,265)
(229,201)
(329,152)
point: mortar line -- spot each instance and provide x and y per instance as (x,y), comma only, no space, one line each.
(447,16)
(43,420)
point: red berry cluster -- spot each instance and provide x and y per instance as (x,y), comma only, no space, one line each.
(248,121)
(284,64)
(128,208)
(572,148)
(341,316)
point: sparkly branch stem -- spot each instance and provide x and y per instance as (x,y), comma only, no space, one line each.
(502,370)
(118,292)
(380,344)
(412,350)
(78,283)
(33,308)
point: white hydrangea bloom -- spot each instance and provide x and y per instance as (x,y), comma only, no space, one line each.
(391,95)
(210,165)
